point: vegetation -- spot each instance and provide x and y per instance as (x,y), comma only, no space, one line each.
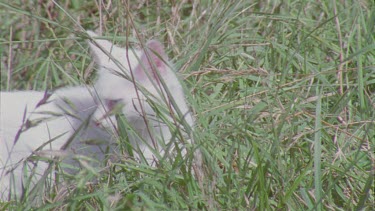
(282,93)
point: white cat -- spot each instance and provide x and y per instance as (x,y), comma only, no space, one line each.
(34,125)
(154,106)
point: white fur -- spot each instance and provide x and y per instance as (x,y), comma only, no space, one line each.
(115,84)
(62,116)
(155,132)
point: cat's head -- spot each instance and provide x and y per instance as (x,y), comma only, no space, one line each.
(148,66)
(147,63)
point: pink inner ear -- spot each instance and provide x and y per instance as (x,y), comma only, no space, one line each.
(157,47)
(155,61)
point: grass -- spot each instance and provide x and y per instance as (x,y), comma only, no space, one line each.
(282,92)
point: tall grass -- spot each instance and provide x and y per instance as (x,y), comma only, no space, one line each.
(282,92)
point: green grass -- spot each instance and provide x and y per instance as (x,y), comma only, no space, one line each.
(283,96)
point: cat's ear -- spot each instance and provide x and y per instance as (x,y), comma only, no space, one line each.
(152,59)
(101,49)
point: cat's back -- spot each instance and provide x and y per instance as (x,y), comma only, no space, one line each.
(14,106)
